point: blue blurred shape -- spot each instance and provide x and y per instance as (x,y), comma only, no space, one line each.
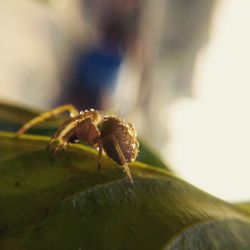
(94,72)
(97,68)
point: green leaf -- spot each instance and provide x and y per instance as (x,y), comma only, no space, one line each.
(68,204)
(244,206)
(149,156)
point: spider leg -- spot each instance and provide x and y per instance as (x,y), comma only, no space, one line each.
(100,149)
(64,133)
(60,146)
(124,163)
(46,115)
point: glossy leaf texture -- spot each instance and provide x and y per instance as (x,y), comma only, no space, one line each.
(68,204)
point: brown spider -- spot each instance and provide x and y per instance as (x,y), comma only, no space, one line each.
(112,134)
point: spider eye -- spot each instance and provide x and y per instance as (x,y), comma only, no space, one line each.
(74,139)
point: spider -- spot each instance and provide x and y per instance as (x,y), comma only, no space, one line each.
(112,134)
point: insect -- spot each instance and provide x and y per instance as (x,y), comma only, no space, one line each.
(112,134)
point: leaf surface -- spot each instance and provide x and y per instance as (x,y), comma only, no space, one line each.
(68,204)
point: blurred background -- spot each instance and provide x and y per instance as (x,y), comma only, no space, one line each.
(177,69)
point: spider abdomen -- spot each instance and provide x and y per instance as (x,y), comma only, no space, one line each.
(124,134)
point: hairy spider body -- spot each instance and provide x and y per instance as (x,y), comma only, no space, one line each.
(112,134)
(124,134)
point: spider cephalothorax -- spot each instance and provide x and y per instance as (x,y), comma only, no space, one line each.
(112,134)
